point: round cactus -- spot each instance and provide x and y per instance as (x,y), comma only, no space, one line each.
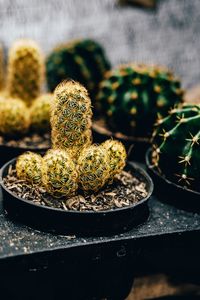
(117,156)
(176,140)
(93,166)
(40,113)
(59,174)
(132,95)
(82,60)
(25,70)
(14,117)
(29,166)
(71,117)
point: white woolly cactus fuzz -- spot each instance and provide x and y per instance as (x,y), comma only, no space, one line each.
(40,113)
(59,174)
(117,156)
(14,117)
(25,70)
(93,166)
(71,118)
(29,167)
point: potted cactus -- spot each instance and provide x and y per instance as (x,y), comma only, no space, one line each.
(76,186)
(24,110)
(130,98)
(175,158)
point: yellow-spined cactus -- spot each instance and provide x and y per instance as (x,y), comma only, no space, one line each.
(71,118)
(25,70)
(2,75)
(40,113)
(93,166)
(117,156)
(29,167)
(59,174)
(14,117)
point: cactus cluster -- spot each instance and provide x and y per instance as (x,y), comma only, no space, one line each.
(80,60)
(132,95)
(176,141)
(25,71)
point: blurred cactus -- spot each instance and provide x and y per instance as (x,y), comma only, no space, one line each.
(29,166)
(2,73)
(59,174)
(25,70)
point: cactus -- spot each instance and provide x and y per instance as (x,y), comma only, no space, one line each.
(175,143)
(93,166)
(132,95)
(2,74)
(59,174)
(82,60)
(40,113)
(71,117)
(25,70)
(117,156)
(14,117)
(28,167)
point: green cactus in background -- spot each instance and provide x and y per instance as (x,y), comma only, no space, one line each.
(40,113)
(71,118)
(117,156)
(14,117)
(25,70)
(29,166)
(93,167)
(132,95)
(176,141)
(59,174)
(82,60)
(2,73)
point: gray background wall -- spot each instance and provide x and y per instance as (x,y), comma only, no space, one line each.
(170,35)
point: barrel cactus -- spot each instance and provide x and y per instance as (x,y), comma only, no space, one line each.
(81,60)
(14,117)
(25,70)
(132,95)
(59,174)
(40,113)
(28,167)
(175,151)
(71,118)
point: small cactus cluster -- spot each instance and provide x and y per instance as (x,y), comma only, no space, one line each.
(175,146)
(25,71)
(81,60)
(74,163)
(132,95)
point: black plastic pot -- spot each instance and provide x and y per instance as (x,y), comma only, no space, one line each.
(74,222)
(137,145)
(171,192)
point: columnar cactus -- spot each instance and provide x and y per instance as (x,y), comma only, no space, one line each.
(71,118)
(176,146)
(117,156)
(59,174)
(14,117)
(132,95)
(93,166)
(25,70)
(29,166)
(82,60)
(40,113)
(2,74)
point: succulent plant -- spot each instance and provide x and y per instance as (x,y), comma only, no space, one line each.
(93,167)
(59,174)
(40,113)
(14,117)
(132,95)
(29,166)
(176,142)
(2,74)
(25,70)
(117,156)
(71,118)
(81,60)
